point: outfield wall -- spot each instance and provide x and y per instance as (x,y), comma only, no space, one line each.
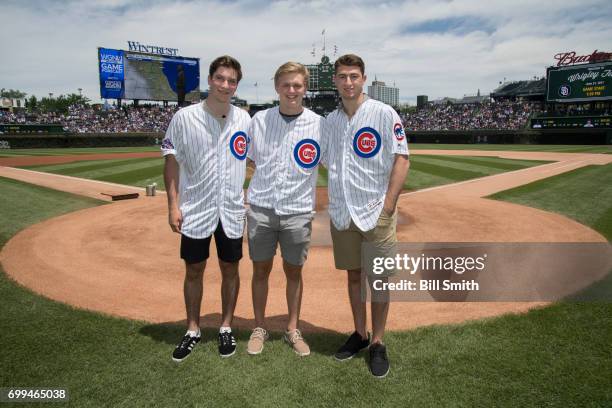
(542,136)
(80,140)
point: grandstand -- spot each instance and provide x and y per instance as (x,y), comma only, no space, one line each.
(533,90)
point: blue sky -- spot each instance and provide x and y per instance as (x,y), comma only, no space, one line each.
(437,48)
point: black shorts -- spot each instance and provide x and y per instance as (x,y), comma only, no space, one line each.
(197,250)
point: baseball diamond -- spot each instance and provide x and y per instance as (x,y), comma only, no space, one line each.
(137,230)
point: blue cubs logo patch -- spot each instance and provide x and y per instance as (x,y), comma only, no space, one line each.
(239,144)
(398,131)
(307,153)
(167,144)
(366,142)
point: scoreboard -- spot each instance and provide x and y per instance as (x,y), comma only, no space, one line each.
(151,77)
(579,83)
(321,76)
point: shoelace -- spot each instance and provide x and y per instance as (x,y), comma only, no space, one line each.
(258,333)
(295,336)
(226,339)
(186,340)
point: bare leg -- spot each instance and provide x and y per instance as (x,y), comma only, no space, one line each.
(380,310)
(293,293)
(259,290)
(230,285)
(192,289)
(357,306)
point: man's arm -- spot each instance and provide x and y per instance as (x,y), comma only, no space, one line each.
(171,179)
(396,182)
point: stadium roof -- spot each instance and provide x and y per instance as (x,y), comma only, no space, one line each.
(535,87)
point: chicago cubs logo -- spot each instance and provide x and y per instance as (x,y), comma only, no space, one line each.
(565,90)
(307,153)
(238,145)
(398,131)
(366,142)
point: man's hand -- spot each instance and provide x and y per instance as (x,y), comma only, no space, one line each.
(396,182)
(175,219)
(171,179)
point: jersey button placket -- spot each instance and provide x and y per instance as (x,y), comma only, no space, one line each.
(222,153)
(281,177)
(347,145)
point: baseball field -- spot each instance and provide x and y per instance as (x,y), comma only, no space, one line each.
(91,298)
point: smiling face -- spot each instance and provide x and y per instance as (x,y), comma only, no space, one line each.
(222,84)
(291,88)
(349,81)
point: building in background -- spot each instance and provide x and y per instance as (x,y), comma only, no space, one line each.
(387,94)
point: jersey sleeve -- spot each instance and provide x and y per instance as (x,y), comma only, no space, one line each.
(255,134)
(396,133)
(324,140)
(251,140)
(172,137)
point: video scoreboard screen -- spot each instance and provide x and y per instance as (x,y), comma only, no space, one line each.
(579,83)
(151,77)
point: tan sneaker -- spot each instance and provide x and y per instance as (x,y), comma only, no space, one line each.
(256,341)
(295,339)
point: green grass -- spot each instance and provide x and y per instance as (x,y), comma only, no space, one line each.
(516,147)
(426,170)
(135,172)
(429,171)
(559,356)
(584,194)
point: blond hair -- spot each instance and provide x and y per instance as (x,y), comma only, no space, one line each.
(291,68)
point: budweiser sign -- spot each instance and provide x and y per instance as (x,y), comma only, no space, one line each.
(570,58)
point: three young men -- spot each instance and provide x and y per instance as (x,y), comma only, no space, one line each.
(364,148)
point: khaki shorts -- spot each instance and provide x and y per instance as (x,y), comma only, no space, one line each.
(267,230)
(347,243)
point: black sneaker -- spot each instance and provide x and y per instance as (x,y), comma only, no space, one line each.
(227,344)
(379,363)
(353,345)
(184,348)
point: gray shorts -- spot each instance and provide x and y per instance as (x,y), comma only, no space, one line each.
(266,230)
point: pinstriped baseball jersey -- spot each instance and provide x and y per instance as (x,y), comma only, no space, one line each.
(286,157)
(361,153)
(212,164)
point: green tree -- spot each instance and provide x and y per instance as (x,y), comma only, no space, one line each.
(31,103)
(12,93)
(62,103)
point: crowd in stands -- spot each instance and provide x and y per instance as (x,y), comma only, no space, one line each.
(96,119)
(505,115)
(155,118)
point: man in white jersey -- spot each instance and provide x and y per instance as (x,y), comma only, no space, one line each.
(286,148)
(205,150)
(367,166)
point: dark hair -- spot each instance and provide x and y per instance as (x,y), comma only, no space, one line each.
(350,60)
(225,61)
